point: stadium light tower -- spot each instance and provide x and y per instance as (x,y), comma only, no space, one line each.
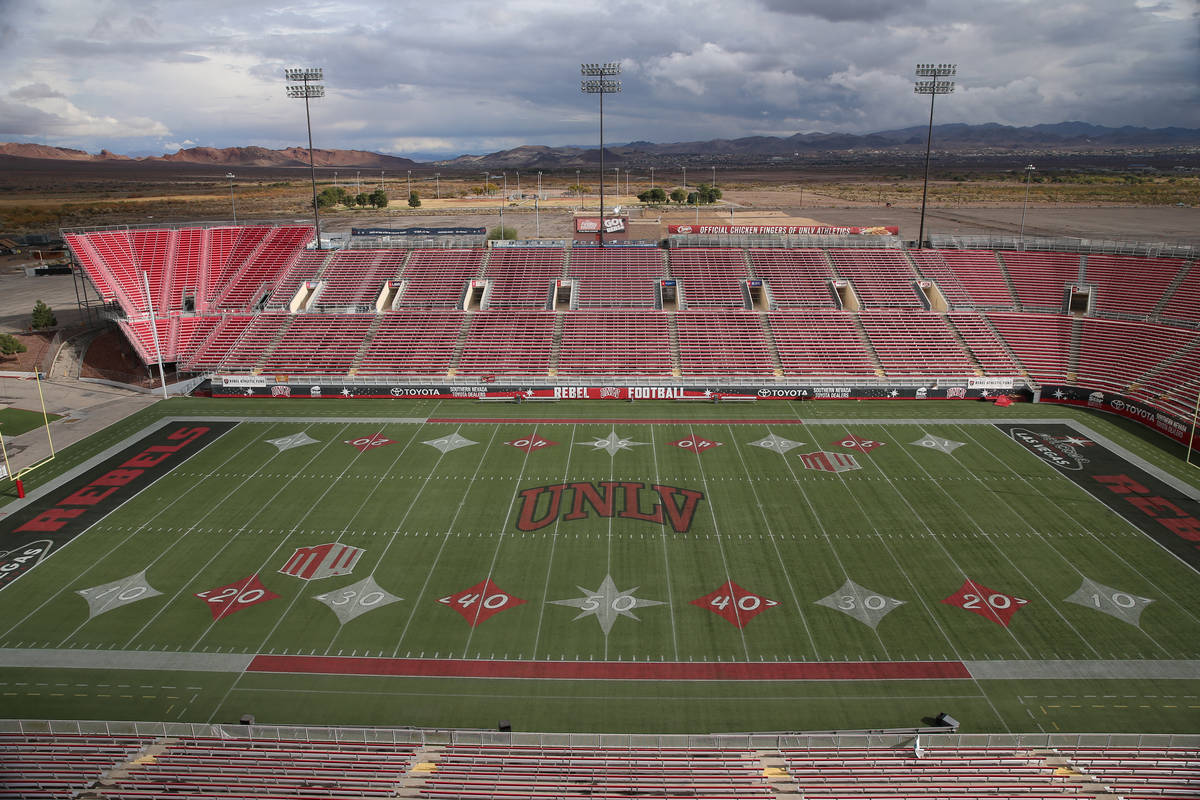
(1029,170)
(932,87)
(303,83)
(233,202)
(601,85)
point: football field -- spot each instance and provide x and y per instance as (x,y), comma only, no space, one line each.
(608,567)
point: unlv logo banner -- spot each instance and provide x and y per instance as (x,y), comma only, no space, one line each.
(540,505)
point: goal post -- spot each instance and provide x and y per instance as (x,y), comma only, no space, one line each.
(6,467)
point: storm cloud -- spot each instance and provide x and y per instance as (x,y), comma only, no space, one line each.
(467,76)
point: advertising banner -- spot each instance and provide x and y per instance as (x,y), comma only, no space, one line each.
(298,388)
(418,231)
(592,224)
(1151,417)
(990,383)
(785,230)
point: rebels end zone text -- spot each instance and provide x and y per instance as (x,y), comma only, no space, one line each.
(49,524)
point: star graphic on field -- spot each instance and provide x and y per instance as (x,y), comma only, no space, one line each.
(450,442)
(347,393)
(607,603)
(249,393)
(1125,606)
(1077,441)
(1059,393)
(893,393)
(295,440)
(612,443)
(774,441)
(108,596)
(937,443)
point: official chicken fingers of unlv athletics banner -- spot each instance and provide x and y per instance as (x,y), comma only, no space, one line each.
(44,526)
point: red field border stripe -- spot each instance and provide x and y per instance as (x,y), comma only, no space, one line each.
(615,670)
(614,421)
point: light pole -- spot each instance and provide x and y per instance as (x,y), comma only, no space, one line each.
(652,177)
(714,183)
(485,184)
(233,202)
(539,184)
(518,184)
(685,179)
(932,87)
(304,85)
(601,85)
(1029,170)
(410,183)
(437,184)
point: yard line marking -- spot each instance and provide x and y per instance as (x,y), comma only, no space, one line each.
(720,543)
(186,584)
(350,521)
(908,578)
(445,539)
(1032,584)
(1129,528)
(537,636)
(500,541)
(662,531)
(97,562)
(787,573)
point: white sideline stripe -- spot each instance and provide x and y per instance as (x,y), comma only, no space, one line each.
(1164,669)
(125,659)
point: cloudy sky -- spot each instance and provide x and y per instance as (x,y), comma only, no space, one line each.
(467,76)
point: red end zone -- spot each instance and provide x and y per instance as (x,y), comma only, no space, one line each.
(614,670)
(614,421)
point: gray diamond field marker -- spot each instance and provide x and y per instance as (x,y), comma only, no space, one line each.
(108,596)
(938,443)
(1122,605)
(450,442)
(864,605)
(774,441)
(607,603)
(295,440)
(612,443)
(357,599)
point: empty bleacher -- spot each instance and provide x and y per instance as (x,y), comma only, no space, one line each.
(1184,303)
(616,277)
(1128,285)
(522,278)
(820,343)
(354,278)
(881,278)
(320,344)
(914,344)
(1041,279)
(715,342)
(711,278)
(411,342)
(614,343)
(438,278)
(508,343)
(797,278)
(1042,343)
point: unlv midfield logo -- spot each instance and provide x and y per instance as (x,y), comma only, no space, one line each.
(625,499)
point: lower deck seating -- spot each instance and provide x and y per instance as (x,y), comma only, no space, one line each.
(508,343)
(411,342)
(915,344)
(723,343)
(615,343)
(1042,342)
(820,344)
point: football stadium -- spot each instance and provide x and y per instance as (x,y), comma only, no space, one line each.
(726,514)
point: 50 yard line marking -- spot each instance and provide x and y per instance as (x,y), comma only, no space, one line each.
(662,528)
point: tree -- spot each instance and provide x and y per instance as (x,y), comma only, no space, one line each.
(655,195)
(333,196)
(414,200)
(363,199)
(502,233)
(707,194)
(678,195)
(10,345)
(43,316)
(693,198)
(577,189)
(379,199)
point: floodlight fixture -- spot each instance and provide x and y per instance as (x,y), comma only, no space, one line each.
(932,87)
(600,84)
(302,86)
(232,201)
(1029,170)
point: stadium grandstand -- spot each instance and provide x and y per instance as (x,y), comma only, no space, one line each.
(258,300)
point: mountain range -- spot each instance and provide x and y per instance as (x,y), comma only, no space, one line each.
(989,138)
